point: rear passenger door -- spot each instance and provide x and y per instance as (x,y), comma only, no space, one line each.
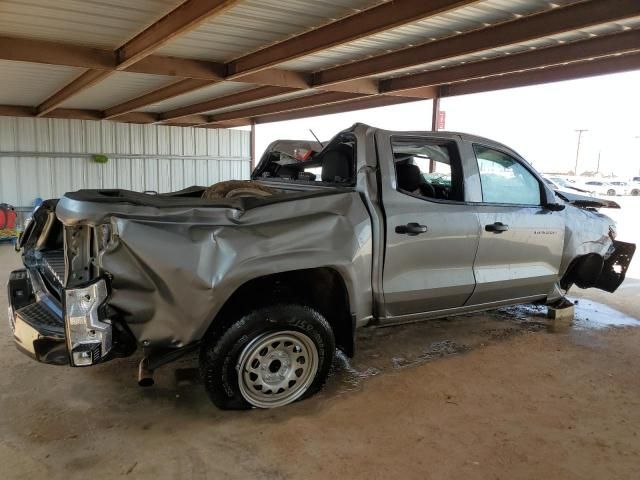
(521,242)
(431,233)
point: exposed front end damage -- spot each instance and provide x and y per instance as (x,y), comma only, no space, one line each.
(615,266)
(592,257)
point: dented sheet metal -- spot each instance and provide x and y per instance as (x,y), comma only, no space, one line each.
(586,232)
(585,201)
(173,267)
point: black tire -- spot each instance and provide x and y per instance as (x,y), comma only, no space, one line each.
(635,192)
(220,354)
(611,192)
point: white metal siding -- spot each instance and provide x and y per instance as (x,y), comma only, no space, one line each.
(185,157)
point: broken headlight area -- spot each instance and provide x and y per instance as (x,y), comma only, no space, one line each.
(89,335)
(615,266)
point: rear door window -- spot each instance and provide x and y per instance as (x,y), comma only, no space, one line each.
(428,168)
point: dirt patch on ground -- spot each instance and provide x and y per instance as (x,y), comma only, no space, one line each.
(479,396)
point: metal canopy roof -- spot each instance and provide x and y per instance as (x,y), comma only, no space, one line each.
(221,63)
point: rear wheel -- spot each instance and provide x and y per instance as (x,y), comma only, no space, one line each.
(611,192)
(635,192)
(267,358)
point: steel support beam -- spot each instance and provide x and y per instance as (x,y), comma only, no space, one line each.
(435,113)
(85,80)
(285,106)
(551,22)
(85,114)
(572,71)
(346,106)
(245,96)
(572,52)
(179,88)
(382,17)
(181,19)
(55,53)
(253,145)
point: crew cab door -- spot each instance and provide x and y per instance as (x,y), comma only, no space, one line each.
(431,233)
(521,241)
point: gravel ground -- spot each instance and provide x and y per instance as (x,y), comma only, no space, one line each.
(495,395)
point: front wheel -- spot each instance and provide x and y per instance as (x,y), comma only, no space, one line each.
(611,192)
(635,192)
(269,357)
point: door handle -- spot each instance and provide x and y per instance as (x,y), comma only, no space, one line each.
(497,227)
(411,229)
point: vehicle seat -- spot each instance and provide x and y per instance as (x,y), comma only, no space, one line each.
(410,180)
(288,172)
(337,164)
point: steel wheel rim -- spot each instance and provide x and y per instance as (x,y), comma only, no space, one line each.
(277,368)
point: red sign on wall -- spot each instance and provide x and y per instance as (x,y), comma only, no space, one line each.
(441,119)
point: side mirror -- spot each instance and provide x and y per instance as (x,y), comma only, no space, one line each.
(555,207)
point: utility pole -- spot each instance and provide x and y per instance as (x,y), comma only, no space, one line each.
(598,167)
(637,137)
(580,131)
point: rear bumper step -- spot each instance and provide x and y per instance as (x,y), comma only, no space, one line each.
(38,329)
(77,335)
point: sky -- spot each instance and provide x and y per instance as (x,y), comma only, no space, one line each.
(538,122)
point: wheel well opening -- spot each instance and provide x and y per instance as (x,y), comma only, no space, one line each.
(583,271)
(320,288)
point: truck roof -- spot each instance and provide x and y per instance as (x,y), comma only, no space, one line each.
(440,134)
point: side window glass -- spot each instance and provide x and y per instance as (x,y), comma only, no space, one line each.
(504,179)
(428,168)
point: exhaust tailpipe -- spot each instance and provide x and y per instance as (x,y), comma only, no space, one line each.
(145,374)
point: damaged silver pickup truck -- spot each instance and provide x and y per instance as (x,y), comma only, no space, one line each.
(267,277)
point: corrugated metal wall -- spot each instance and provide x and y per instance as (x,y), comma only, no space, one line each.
(184,157)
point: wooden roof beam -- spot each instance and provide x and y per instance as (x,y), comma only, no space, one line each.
(550,22)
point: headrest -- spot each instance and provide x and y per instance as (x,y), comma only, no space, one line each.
(336,164)
(408,176)
(287,171)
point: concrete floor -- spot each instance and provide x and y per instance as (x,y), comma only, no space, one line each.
(495,395)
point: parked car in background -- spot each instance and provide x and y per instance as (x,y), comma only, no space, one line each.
(559,183)
(625,188)
(600,187)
